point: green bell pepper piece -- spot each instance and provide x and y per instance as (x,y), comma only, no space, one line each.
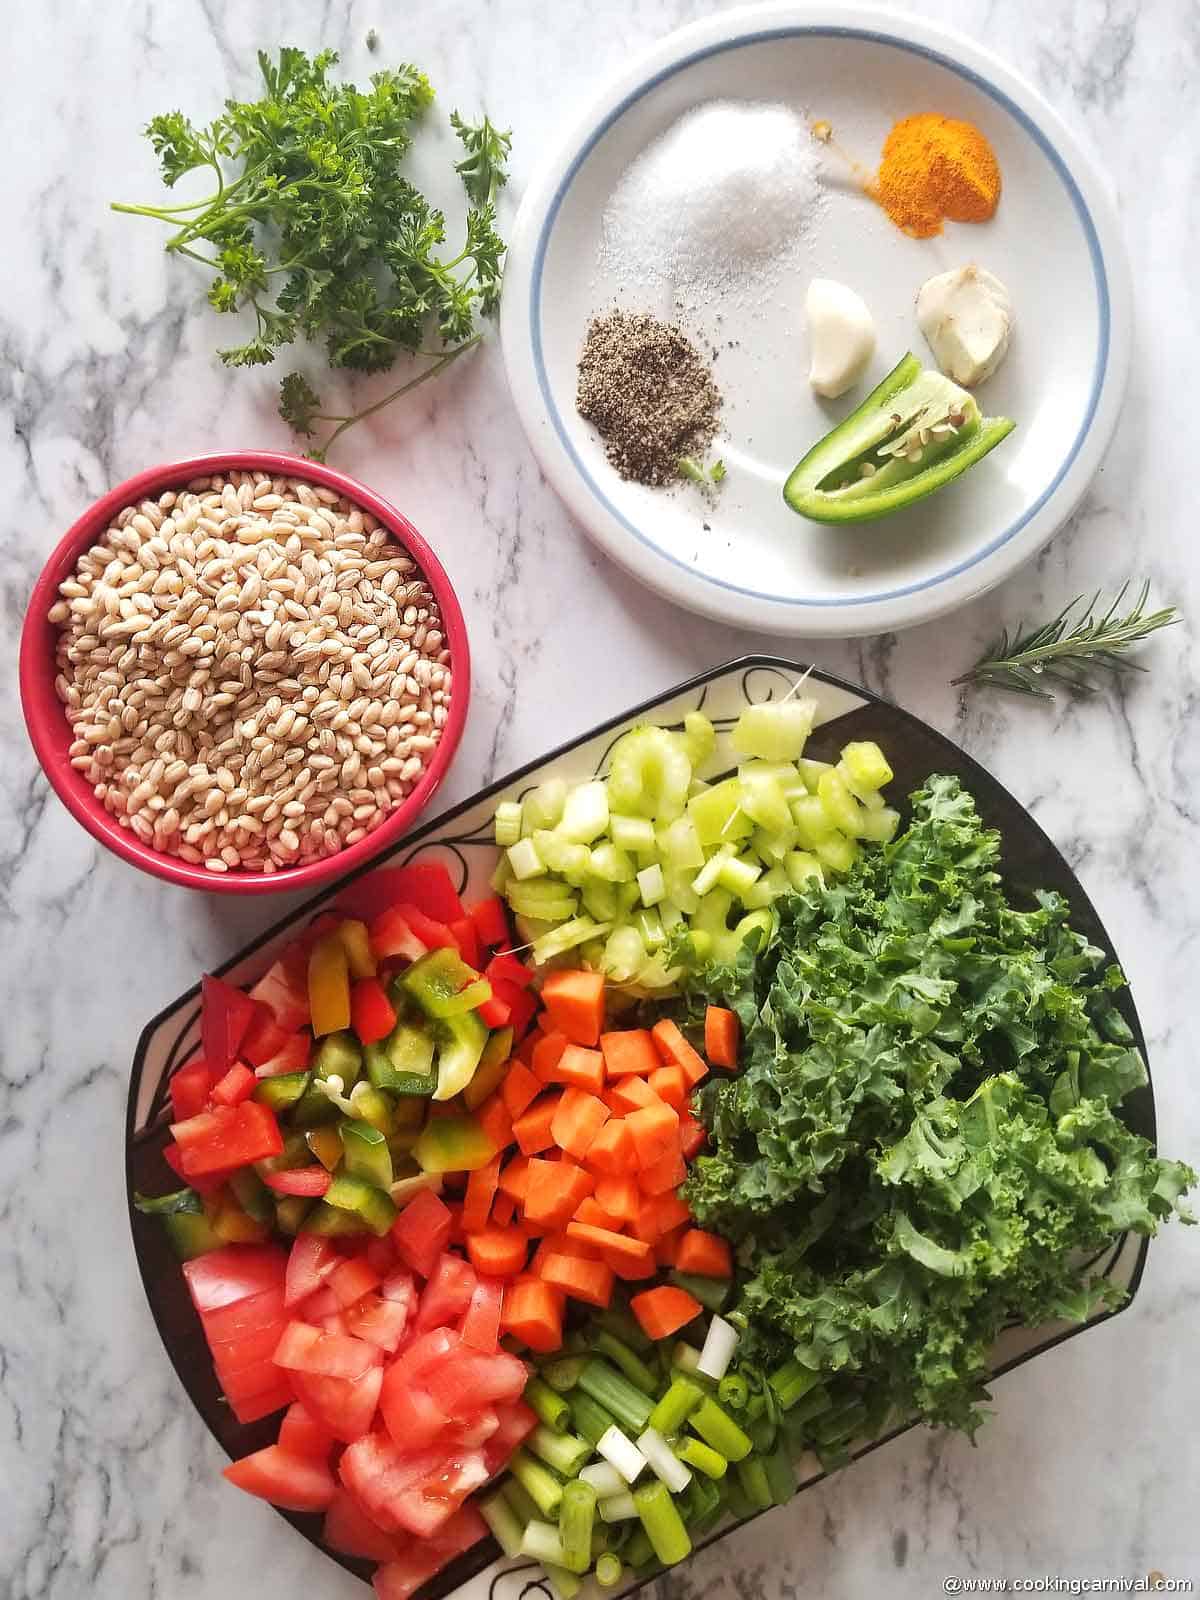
(461,1042)
(443,985)
(290,1212)
(313,1110)
(855,474)
(373,1107)
(340,1055)
(403,1062)
(283,1091)
(366,1154)
(187,1227)
(295,1153)
(331,1222)
(453,1144)
(252,1194)
(371,1206)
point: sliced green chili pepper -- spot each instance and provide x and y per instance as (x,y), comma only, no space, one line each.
(912,435)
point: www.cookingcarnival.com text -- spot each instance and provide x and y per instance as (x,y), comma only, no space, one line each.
(1148,1583)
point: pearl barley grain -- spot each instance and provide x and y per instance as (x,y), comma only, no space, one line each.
(209,660)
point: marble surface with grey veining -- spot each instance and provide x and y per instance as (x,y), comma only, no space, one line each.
(110,1485)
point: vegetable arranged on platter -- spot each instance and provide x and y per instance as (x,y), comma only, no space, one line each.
(614,867)
(914,433)
(314,227)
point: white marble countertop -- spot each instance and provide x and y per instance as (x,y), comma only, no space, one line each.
(111,1484)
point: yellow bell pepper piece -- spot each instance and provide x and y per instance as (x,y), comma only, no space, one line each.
(329,985)
(234,1226)
(357,941)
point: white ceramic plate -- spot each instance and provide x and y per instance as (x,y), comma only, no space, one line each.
(745,557)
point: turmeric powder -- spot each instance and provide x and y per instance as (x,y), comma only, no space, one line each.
(935,169)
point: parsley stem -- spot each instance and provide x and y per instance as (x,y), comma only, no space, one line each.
(439,365)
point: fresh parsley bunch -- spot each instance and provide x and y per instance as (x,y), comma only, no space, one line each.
(313,226)
(924,1144)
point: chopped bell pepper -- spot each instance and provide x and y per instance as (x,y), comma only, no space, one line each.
(444,986)
(251,1194)
(329,986)
(225,1014)
(339,1055)
(290,1212)
(373,1207)
(187,1226)
(284,1091)
(453,1144)
(461,1042)
(492,1068)
(326,1145)
(371,1012)
(367,1154)
(403,1062)
(227,1137)
(371,1106)
(232,1225)
(913,434)
(359,954)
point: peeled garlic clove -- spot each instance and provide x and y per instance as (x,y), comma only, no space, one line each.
(841,335)
(966,316)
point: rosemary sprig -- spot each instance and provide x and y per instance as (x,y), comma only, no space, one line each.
(1068,653)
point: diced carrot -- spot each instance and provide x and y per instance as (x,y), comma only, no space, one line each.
(704,1255)
(666,1174)
(558,1244)
(519,1089)
(631,1094)
(676,1051)
(589,1281)
(495,1120)
(629,1270)
(670,1084)
(524,1051)
(611,1151)
(504,1210)
(612,1246)
(663,1311)
(574,1002)
(632,1050)
(514,1178)
(620,1197)
(553,1192)
(722,1035)
(577,1120)
(659,1213)
(533,1313)
(481,1191)
(498,1252)
(666,1249)
(546,1055)
(532,1130)
(582,1069)
(655,1131)
(692,1136)
(591,1211)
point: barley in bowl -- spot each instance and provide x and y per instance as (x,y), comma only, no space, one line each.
(254,672)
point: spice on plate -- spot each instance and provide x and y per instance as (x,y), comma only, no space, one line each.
(649,394)
(254,672)
(935,169)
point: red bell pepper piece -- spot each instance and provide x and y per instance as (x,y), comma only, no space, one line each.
(522,1006)
(372,1014)
(507,969)
(425,885)
(392,936)
(433,935)
(299,1180)
(292,1057)
(225,1015)
(209,1185)
(227,1137)
(237,1085)
(467,936)
(264,1037)
(283,989)
(189,1090)
(491,920)
(494,1011)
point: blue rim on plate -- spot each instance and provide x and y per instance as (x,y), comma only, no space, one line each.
(1029,858)
(871,36)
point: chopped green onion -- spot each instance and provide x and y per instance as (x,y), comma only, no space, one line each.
(701,1456)
(506,1526)
(676,1406)
(733,1391)
(630,1363)
(565,1584)
(609,1571)
(576,1518)
(639,1551)
(564,1373)
(542,1486)
(712,1293)
(524,1507)
(565,1452)
(626,1327)
(718,1429)
(605,1479)
(814,1404)
(685,1356)
(792,1382)
(543,1542)
(618,1507)
(754,1484)
(547,1405)
(629,1405)
(621,1453)
(589,1417)
(719,1346)
(664,1526)
(781,1474)
(762,1430)
(664,1463)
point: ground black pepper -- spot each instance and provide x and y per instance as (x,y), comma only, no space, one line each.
(647,391)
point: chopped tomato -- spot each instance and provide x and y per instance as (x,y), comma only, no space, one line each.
(467,1379)
(380,1322)
(481,1322)
(302,1434)
(346,1406)
(447,1294)
(310,1263)
(349,1530)
(304,1348)
(517,1421)
(422,1231)
(283,989)
(298,1483)
(237,1272)
(227,1137)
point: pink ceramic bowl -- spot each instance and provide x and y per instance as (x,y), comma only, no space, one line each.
(51,735)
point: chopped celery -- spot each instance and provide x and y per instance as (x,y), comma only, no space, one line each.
(801,867)
(558,907)
(502,876)
(773,847)
(524,859)
(680,843)
(764,801)
(679,888)
(633,833)
(812,821)
(767,889)
(837,852)
(573,861)
(811,772)
(611,864)
(543,806)
(623,954)
(508,823)
(737,874)
(706,879)
(600,899)
(776,730)
(866,766)
(717,814)
(879,826)
(651,885)
(649,926)
(842,809)
(585,815)
(559,940)
(649,773)
(699,737)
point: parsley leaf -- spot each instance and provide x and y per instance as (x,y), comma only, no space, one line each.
(314,229)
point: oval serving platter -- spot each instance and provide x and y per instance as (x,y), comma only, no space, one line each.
(462,840)
(740,554)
